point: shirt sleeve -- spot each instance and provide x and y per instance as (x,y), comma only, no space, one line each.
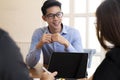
(33,56)
(76,44)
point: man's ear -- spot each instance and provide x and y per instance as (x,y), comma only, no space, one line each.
(44,18)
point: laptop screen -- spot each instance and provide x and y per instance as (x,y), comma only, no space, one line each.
(68,64)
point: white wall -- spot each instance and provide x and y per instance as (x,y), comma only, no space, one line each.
(20,18)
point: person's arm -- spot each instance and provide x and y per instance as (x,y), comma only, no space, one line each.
(46,76)
(57,37)
(91,78)
(13,65)
(33,55)
(38,40)
(76,44)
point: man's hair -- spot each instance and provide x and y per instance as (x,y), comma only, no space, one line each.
(49,3)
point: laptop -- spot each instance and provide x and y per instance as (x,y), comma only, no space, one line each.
(69,64)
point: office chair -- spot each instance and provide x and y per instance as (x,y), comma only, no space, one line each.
(90,52)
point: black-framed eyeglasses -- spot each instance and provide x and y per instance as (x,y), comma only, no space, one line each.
(52,16)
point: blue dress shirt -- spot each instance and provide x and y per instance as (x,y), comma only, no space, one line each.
(71,34)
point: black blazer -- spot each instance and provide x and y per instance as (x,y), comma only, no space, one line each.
(12,66)
(109,69)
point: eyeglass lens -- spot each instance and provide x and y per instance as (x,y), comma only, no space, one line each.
(59,15)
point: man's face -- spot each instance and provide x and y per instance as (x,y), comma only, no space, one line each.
(54,17)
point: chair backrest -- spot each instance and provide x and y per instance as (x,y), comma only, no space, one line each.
(90,52)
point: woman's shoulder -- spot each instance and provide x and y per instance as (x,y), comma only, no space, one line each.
(115,51)
(114,55)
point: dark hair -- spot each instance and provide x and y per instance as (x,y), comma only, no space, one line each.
(108,23)
(49,3)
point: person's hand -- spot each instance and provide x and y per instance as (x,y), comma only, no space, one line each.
(46,38)
(58,38)
(46,76)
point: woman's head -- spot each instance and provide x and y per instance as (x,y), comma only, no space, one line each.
(108,23)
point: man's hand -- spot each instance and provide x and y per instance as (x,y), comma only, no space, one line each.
(46,76)
(46,38)
(49,38)
(58,38)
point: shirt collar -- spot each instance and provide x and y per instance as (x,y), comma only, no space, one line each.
(46,30)
(64,30)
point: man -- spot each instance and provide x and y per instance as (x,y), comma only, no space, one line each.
(55,37)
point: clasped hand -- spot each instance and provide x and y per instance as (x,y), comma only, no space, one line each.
(49,38)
